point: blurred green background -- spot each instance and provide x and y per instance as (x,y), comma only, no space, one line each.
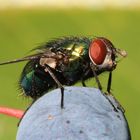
(22,30)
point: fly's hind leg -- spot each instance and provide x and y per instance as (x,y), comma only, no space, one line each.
(26,111)
(84,77)
(58,83)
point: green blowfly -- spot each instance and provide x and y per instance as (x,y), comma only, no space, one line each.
(65,61)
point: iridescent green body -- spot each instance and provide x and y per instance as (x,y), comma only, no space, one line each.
(74,66)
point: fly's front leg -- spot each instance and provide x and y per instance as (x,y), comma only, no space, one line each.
(109,92)
(96,77)
(84,77)
(58,83)
(100,87)
(83,83)
(109,82)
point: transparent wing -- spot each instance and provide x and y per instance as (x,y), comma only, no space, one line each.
(32,57)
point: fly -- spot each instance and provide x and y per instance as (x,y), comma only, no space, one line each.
(65,61)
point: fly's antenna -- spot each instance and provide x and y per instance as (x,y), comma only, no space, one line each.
(123,53)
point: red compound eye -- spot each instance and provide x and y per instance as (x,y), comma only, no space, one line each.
(97,51)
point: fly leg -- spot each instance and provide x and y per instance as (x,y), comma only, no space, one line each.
(26,111)
(96,77)
(109,92)
(84,77)
(58,83)
(109,82)
(100,87)
(83,83)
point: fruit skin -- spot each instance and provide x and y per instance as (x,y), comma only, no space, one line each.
(87,116)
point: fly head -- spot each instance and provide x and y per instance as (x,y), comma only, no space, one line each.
(103,54)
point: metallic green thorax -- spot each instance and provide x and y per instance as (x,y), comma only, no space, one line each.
(77,50)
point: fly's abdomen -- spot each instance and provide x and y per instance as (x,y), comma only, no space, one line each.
(32,85)
(26,82)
